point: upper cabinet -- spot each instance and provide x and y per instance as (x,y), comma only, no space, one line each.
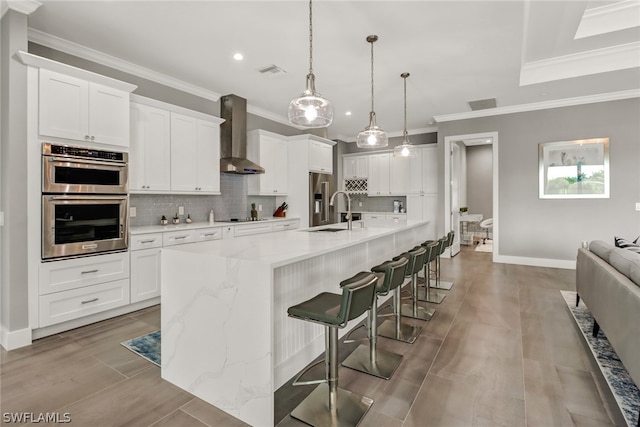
(319,152)
(150,152)
(423,171)
(270,151)
(195,155)
(355,167)
(74,108)
(379,175)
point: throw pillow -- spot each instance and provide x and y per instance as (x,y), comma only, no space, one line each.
(625,244)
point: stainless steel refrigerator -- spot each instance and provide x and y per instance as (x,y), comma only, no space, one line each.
(321,187)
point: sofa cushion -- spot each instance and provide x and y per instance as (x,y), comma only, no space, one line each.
(627,263)
(601,248)
(621,242)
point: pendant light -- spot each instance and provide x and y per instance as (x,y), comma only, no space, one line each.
(406,149)
(372,136)
(310,109)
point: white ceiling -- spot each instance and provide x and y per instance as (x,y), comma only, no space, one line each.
(456,51)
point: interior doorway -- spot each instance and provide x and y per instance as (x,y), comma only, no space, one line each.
(455,193)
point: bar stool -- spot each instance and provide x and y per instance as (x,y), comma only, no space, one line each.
(416,262)
(447,242)
(426,294)
(394,272)
(327,405)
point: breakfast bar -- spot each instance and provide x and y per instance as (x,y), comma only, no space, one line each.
(226,337)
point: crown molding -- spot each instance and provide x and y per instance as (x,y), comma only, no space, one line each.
(567,102)
(609,18)
(26,7)
(595,61)
(93,55)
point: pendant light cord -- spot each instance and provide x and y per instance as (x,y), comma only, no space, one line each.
(310,38)
(372,110)
(405,107)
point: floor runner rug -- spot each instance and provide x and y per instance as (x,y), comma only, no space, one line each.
(147,346)
(624,390)
(487,247)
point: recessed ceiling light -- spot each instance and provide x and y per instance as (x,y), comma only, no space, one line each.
(238,56)
(348,113)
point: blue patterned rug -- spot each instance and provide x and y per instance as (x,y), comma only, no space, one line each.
(147,346)
(624,390)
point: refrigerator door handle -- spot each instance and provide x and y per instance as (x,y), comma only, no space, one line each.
(325,202)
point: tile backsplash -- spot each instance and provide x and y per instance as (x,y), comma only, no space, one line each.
(233,203)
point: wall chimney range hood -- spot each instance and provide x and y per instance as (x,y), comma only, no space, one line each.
(233,137)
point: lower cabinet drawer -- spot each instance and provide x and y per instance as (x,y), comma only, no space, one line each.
(170,238)
(205,234)
(68,305)
(248,230)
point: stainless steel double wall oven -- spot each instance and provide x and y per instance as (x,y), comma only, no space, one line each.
(84,201)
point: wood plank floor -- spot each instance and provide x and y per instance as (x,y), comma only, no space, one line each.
(501,350)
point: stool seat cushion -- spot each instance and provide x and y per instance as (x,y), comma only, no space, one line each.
(323,308)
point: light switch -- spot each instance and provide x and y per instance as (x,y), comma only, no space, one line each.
(180,210)
(638,206)
(132,212)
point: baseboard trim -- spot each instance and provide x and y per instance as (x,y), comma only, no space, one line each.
(535,262)
(11,340)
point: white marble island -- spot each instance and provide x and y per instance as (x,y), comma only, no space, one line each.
(226,337)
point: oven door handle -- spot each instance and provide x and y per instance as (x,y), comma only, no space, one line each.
(88,197)
(115,165)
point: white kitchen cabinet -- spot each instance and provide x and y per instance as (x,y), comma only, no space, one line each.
(320,157)
(73,108)
(145,274)
(423,171)
(251,229)
(355,167)
(372,219)
(150,152)
(379,175)
(423,207)
(399,174)
(270,151)
(290,224)
(195,155)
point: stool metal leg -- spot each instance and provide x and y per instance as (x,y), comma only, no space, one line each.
(396,330)
(370,360)
(440,284)
(426,294)
(414,310)
(329,405)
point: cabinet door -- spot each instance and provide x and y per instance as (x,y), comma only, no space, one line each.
(414,182)
(379,168)
(145,274)
(281,164)
(63,106)
(208,156)
(108,115)
(348,167)
(414,207)
(399,175)
(430,213)
(320,157)
(184,153)
(150,151)
(361,167)
(430,170)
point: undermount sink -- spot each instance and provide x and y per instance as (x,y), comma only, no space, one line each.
(327,230)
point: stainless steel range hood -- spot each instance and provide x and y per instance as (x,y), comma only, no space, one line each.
(233,137)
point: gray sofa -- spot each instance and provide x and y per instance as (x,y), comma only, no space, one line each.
(608,280)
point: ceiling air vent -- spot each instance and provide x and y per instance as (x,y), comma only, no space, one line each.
(483,104)
(272,71)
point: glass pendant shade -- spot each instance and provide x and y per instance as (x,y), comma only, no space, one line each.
(310,109)
(406,149)
(372,136)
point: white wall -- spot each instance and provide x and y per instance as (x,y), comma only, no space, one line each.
(539,229)
(480,180)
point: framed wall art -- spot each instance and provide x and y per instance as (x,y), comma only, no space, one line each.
(574,169)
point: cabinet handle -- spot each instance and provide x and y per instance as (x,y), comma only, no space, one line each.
(93,137)
(86,137)
(89,300)
(180,237)
(89,271)
(148,241)
(210,234)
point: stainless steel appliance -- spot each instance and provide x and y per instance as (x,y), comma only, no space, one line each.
(320,191)
(85,205)
(76,225)
(355,216)
(79,170)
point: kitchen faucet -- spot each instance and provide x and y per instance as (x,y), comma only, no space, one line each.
(348,216)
